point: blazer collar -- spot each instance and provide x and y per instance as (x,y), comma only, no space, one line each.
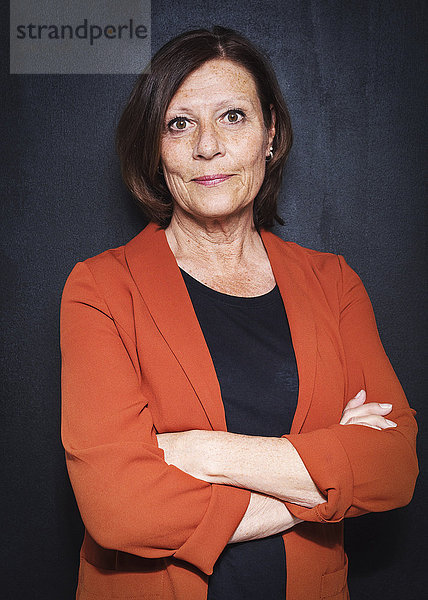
(158,278)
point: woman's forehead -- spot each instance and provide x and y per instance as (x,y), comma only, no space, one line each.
(217,81)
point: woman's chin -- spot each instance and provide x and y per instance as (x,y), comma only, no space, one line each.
(221,214)
(218,208)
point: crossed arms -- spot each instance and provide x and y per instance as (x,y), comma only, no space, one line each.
(132,496)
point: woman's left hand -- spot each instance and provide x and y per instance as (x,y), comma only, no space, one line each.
(372,414)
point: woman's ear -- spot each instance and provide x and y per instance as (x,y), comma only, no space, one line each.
(271,130)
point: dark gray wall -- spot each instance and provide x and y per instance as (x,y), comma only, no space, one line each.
(352,73)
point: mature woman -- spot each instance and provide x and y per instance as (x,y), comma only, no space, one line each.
(225,393)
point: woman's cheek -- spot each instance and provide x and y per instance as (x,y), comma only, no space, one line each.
(176,186)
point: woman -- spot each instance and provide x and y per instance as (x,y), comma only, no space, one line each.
(214,436)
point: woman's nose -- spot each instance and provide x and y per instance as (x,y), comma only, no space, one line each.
(208,143)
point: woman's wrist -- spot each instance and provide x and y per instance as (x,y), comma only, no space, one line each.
(265,516)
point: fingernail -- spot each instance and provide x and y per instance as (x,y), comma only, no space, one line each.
(360,393)
(391,423)
(386,405)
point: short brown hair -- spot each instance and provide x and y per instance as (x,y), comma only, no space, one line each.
(139,130)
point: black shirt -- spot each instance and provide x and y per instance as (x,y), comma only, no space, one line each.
(250,345)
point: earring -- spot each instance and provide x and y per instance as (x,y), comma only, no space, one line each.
(270,155)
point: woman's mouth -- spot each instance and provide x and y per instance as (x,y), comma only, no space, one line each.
(210,180)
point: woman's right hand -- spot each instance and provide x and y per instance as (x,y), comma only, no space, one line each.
(369,415)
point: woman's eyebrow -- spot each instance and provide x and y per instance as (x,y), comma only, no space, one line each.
(226,102)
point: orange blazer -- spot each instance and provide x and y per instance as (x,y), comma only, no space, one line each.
(135,362)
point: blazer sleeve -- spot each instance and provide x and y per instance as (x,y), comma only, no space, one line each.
(128,497)
(357,468)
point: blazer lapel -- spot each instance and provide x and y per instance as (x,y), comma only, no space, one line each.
(289,274)
(157,275)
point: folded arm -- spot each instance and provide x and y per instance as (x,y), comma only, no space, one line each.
(364,463)
(268,465)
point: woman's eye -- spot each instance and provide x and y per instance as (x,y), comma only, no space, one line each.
(178,124)
(234,116)
(182,123)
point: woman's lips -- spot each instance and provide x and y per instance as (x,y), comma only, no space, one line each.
(210,180)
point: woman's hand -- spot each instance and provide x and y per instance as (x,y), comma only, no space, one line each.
(369,415)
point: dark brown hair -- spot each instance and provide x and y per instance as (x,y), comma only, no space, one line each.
(138,134)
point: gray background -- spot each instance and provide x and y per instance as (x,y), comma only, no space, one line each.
(352,74)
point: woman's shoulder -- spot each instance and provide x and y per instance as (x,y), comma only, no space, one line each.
(114,272)
(108,265)
(108,260)
(325,273)
(113,261)
(306,258)
(103,281)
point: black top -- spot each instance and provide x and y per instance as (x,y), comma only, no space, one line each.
(250,345)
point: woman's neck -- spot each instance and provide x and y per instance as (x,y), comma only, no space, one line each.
(214,240)
(227,255)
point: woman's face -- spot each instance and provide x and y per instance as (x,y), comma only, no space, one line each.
(214,130)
